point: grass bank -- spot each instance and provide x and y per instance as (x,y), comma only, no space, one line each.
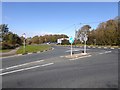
(33,48)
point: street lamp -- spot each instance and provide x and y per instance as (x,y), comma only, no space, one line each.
(24,35)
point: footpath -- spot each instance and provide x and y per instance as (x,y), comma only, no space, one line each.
(12,52)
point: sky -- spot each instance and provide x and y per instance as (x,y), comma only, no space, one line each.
(39,18)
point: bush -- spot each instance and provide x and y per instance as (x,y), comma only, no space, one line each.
(7,46)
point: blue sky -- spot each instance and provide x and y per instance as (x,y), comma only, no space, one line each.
(38,18)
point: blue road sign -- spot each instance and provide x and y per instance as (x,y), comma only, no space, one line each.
(71,40)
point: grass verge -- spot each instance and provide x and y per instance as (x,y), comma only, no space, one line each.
(32,48)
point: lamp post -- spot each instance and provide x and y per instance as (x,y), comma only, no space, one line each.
(24,35)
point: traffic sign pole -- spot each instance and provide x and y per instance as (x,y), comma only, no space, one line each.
(24,35)
(85,39)
(85,47)
(24,45)
(71,49)
(71,40)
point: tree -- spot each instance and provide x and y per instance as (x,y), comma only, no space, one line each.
(35,40)
(3,31)
(84,30)
(8,39)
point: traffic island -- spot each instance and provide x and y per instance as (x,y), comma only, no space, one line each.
(77,55)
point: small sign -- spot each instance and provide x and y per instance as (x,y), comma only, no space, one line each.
(24,35)
(85,38)
(71,40)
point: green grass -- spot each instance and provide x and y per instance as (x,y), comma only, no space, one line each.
(6,50)
(33,48)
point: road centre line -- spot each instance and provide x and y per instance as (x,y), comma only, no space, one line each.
(101,53)
(105,52)
(26,69)
(80,57)
(22,64)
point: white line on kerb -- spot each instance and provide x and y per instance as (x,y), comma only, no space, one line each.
(26,68)
(23,64)
(105,47)
(80,57)
(112,48)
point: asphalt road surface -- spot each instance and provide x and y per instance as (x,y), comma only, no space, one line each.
(52,70)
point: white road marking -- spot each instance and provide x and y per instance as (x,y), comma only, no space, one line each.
(80,57)
(61,56)
(23,64)
(26,69)
(105,52)
(75,50)
(101,53)
(47,64)
(1,69)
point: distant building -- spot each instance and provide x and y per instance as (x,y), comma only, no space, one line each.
(59,41)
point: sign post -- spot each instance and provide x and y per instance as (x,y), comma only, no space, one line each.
(85,39)
(71,40)
(24,35)
(71,49)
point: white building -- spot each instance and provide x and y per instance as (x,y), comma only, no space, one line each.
(59,41)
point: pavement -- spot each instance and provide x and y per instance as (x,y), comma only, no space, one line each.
(52,69)
(12,52)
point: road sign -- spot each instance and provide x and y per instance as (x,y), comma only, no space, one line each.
(71,40)
(85,38)
(81,38)
(24,35)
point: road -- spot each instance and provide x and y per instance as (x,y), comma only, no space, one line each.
(52,70)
